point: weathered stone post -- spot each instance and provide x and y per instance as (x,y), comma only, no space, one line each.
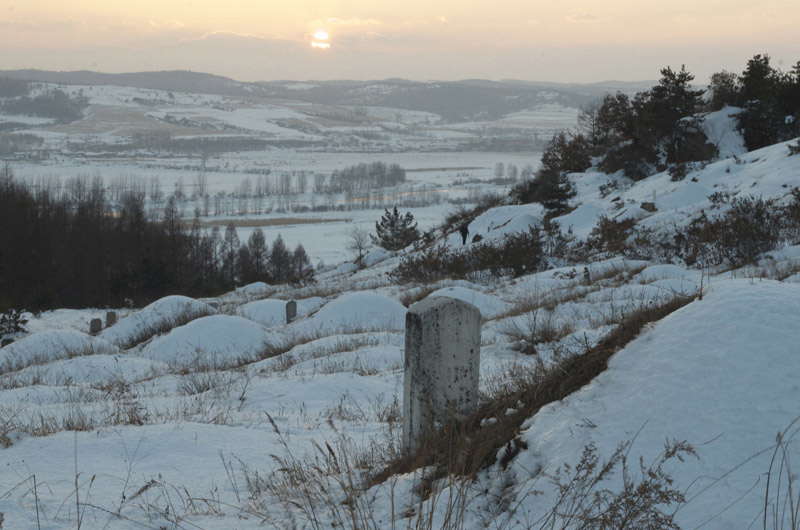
(291,311)
(111,318)
(95,326)
(442,364)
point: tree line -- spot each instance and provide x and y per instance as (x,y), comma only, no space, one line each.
(52,103)
(660,129)
(72,249)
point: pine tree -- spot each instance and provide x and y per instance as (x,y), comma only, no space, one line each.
(257,246)
(279,261)
(230,249)
(301,265)
(395,231)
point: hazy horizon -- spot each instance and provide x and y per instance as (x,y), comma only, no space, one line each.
(565,42)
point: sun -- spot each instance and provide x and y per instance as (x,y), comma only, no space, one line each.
(320,40)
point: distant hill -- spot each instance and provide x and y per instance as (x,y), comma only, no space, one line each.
(173,80)
(465,100)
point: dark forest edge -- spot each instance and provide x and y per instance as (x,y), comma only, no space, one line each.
(72,249)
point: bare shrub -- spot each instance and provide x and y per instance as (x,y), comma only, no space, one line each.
(517,254)
(542,326)
(639,503)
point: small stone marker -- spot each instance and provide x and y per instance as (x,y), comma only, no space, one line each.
(5,342)
(111,318)
(95,326)
(442,364)
(291,310)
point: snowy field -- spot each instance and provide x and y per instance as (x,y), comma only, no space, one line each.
(212,413)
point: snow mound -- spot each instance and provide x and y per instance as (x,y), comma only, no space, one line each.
(52,345)
(722,369)
(489,306)
(215,342)
(272,312)
(254,288)
(358,311)
(377,255)
(497,222)
(346,268)
(90,369)
(158,317)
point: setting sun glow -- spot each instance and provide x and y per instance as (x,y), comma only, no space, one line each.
(564,41)
(319,40)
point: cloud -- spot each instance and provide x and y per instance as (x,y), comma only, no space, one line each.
(156,25)
(223,34)
(583,18)
(333,21)
(48,26)
(442,19)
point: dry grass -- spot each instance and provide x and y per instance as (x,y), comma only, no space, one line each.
(418,293)
(474,443)
(542,326)
(781,496)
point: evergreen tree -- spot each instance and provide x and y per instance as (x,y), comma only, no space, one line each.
(395,231)
(301,265)
(280,261)
(230,250)
(259,254)
(244,265)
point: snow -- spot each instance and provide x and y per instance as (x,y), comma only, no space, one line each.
(253,289)
(159,316)
(766,173)
(720,128)
(272,312)
(718,373)
(197,399)
(50,345)
(497,222)
(213,341)
(489,306)
(357,311)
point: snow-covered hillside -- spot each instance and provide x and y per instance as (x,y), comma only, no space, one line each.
(218,414)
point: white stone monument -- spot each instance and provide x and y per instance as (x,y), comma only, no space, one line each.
(442,364)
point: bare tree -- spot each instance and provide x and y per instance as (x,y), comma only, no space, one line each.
(358,243)
(499,170)
(319,182)
(200,184)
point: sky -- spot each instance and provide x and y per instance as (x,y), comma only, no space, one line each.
(253,40)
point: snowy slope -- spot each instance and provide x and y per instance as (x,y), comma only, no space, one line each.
(164,435)
(719,373)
